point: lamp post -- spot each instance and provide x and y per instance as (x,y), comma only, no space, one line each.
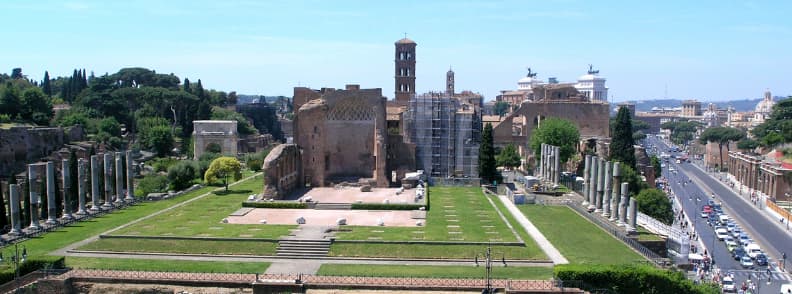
(16,259)
(488,269)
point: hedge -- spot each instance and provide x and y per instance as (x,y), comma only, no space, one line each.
(629,279)
(296,205)
(383,206)
(31,265)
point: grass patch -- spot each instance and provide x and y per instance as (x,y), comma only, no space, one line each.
(576,238)
(182,246)
(203,218)
(430,251)
(457,214)
(425,271)
(646,235)
(153,265)
(43,245)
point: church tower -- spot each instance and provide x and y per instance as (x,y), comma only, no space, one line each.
(405,70)
(450,82)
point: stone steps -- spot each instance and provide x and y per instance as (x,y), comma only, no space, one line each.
(333,206)
(303,248)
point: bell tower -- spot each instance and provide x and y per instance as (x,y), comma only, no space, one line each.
(404,70)
(450,82)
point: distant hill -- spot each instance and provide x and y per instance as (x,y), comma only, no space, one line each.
(245,99)
(739,105)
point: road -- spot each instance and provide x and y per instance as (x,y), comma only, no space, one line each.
(771,237)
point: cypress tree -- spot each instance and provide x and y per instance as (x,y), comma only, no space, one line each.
(45,84)
(187,85)
(3,216)
(622,147)
(487,168)
(83,80)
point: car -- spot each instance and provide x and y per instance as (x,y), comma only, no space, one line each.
(753,250)
(746,262)
(704,214)
(736,233)
(738,253)
(744,239)
(761,259)
(730,241)
(711,203)
(721,233)
(728,284)
(786,289)
(731,247)
(730,226)
(671,169)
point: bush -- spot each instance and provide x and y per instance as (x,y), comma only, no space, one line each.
(294,205)
(255,164)
(182,174)
(630,279)
(163,163)
(153,183)
(32,264)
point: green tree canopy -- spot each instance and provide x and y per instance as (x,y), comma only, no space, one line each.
(223,168)
(155,133)
(722,136)
(502,108)
(558,132)
(656,165)
(655,203)
(182,174)
(36,107)
(508,157)
(777,128)
(622,147)
(747,145)
(487,167)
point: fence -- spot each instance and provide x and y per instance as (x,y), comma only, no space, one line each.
(778,209)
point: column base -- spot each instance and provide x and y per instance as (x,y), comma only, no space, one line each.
(67,216)
(612,218)
(606,214)
(107,206)
(591,207)
(51,222)
(94,208)
(119,201)
(129,199)
(14,232)
(81,212)
(34,228)
(585,203)
(598,210)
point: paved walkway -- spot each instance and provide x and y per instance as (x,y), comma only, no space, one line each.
(540,239)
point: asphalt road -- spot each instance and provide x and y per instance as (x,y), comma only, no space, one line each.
(772,238)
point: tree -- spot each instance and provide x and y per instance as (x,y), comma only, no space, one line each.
(655,203)
(656,165)
(45,84)
(16,73)
(10,100)
(633,178)
(36,106)
(487,169)
(747,145)
(222,168)
(558,132)
(508,157)
(182,174)
(501,108)
(110,126)
(622,147)
(777,128)
(722,136)
(155,133)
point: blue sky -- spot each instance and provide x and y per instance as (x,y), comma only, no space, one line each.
(706,50)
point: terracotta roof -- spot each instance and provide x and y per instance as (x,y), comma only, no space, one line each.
(405,41)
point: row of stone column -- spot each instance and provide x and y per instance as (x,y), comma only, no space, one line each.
(34,184)
(601,193)
(550,163)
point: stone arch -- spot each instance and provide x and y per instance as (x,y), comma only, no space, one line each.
(213,147)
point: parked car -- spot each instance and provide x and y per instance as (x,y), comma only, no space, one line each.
(761,259)
(730,226)
(721,233)
(727,284)
(738,253)
(745,240)
(746,262)
(736,232)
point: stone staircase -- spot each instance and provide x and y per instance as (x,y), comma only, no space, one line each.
(333,206)
(303,248)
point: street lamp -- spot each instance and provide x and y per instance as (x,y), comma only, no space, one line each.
(16,259)
(488,268)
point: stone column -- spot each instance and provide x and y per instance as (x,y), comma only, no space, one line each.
(615,196)
(119,168)
(108,181)
(586,167)
(557,165)
(130,192)
(600,182)
(625,192)
(95,183)
(66,177)
(593,183)
(606,190)
(52,208)
(34,187)
(81,187)
(13,193)
(541,161)
(633,215)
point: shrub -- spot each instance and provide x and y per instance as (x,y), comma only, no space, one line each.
(32,264)
(182,174)
(280,204)
(163,163)
(152,183)
(630,279)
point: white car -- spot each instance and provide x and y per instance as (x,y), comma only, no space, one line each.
(746,262)
(721,233)
(727,284)
(753,250)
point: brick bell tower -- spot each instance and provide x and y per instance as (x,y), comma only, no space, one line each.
(405,70)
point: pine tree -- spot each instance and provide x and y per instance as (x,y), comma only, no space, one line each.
(487,168)
(622,147)
(187,85)
(45,84)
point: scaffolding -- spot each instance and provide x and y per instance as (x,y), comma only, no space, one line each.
(445,133)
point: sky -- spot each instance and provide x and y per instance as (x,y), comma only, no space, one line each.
(705,50)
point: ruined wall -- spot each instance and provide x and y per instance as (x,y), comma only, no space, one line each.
(20,145)
(401,156)
(309,131)
(282,170)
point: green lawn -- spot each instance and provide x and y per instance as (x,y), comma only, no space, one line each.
(431,251)
(202,218)
(182,246)
(166,265)
(576,238)
(79,231)
(645,235)
(456,214)
(425,271)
